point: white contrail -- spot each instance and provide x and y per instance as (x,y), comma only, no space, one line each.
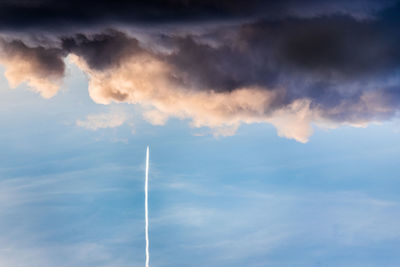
(146,208)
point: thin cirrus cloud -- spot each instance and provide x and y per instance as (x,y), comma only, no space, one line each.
(223,63)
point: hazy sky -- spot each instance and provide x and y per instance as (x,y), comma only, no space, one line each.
(72,196)
(273,133)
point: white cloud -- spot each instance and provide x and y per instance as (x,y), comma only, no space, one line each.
(145,80)
(103,120)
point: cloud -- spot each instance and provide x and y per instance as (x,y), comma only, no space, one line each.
(153,85)
(251,81)
(52,15)
(103,120)
(292,64)
(41,68)
(103,50)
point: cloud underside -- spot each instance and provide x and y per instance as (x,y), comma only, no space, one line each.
(291,70)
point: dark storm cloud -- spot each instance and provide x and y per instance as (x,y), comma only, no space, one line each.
(338,48)
(53,14)
(102,50)
(309,57)
(298,61)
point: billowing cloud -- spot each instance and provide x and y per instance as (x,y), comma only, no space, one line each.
(153,85)
(41,68)
(292,64)
(101,51)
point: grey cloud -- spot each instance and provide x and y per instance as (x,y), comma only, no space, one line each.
(328,49)
(102,50)
(332,66)
(53,15)
(333,61)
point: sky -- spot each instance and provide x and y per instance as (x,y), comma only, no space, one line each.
(273,131)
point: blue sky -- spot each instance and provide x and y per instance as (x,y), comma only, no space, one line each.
(72,196)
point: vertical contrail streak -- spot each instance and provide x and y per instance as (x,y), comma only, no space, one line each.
(146,208)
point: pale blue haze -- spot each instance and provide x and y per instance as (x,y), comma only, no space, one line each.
(70,196)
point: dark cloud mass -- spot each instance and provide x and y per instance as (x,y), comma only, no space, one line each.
(312,58)
(308,61)
(102,50)
(52,14)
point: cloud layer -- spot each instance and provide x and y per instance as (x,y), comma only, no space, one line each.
(290,64)
(53,15)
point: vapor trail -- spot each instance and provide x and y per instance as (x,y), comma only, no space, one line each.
(146,189)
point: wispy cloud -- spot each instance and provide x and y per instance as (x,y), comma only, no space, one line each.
(235,224)
(110,119)
(42,223)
